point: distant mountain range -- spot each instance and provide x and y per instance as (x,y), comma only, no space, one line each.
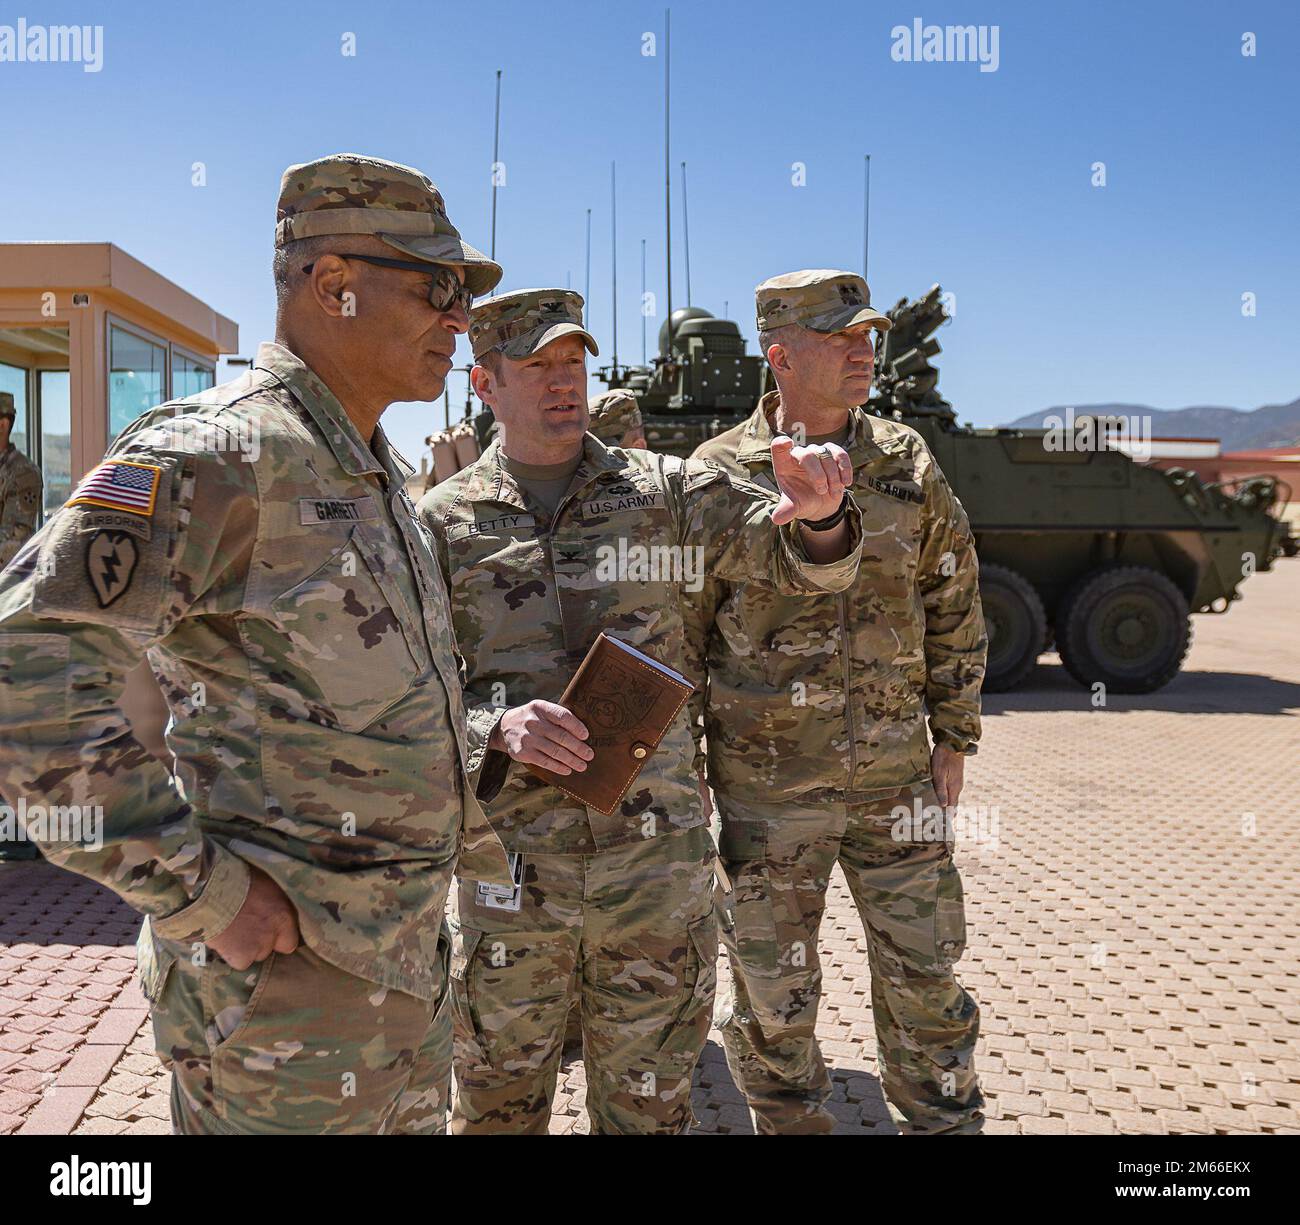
(1273,425)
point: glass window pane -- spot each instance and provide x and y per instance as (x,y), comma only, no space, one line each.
(56,438)
(190,377)
(135,378)
(14,379)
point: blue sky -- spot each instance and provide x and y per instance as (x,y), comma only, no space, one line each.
(1066,293)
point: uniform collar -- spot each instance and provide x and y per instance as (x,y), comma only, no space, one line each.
(354,456)
(400,469)
(488,480)
(756,438)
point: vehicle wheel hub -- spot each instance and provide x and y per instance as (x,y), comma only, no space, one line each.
(1130,629)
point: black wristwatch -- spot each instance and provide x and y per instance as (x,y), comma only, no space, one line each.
(832,520)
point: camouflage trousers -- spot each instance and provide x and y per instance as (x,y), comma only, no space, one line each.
(630,935)
(779,859)
(295,1046)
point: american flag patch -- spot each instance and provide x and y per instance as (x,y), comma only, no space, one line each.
(120,485)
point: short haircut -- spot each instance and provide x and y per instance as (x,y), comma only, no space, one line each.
(288,261)
(494,362)
(777,336)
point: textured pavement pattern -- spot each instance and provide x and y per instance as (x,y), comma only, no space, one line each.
(1134,927)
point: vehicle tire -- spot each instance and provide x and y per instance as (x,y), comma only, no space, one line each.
(1126,626)
(1016,624)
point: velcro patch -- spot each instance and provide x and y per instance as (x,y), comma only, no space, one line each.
(112,567)
(906,493)
(95,520)
(120,484)
(497,525)
(598,507)
(336,510)
(111,558)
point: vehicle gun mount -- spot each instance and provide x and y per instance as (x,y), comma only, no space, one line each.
(906,384)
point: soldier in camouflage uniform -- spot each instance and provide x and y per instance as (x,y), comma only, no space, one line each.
(256,542)
(20,487)
(20,502)
(816,730)
(540,542)
(616,419)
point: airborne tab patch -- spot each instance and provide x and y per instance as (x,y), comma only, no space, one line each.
(120,484)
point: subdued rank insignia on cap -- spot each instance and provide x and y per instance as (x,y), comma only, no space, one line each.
(111,559)
(120,484)
(850,293)
(555,307)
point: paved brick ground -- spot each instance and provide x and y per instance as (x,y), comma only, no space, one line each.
(1134,946)
(68,1005)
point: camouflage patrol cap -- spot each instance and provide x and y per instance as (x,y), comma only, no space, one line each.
(523,321)
(7,405)
(823,299)
(346,193)
(613,414)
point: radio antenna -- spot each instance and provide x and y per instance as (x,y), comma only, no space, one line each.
(686,235)
(668,178)
(866,209)
(613,261)
(496,165)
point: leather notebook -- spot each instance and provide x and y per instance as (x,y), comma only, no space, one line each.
(627,701)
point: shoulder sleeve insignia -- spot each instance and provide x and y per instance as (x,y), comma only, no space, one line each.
(110,561)
(120,484)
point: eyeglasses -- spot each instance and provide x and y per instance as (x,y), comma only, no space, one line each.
(445,291)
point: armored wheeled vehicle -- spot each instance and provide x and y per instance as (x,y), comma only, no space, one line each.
(1079,545)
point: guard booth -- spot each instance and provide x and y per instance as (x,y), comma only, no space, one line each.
(89,339)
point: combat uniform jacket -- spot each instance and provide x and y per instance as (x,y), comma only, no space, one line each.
(530,594)
(20,501)
(295,617)
(827,698)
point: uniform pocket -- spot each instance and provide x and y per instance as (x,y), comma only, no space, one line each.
(300,1046)
(742,848)
(343,622)
(470,1039)
(153,963)
(704,940)
(949,914)
(699,976)
(231,999)
(685,1037)
(34,672)
(800,640)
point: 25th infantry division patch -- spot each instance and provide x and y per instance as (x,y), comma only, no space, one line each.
(111,558)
